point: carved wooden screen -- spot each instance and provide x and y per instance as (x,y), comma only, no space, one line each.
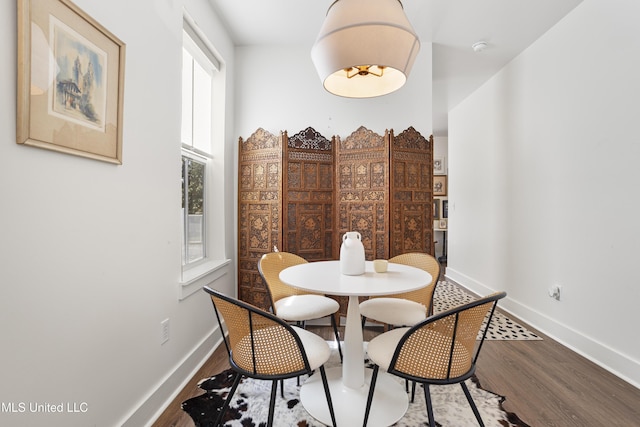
(302,193)
(259,210)
(362,190)
(411,193)
(308,196)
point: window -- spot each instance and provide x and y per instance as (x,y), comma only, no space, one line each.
(201,141)
(193,206)
(197,97)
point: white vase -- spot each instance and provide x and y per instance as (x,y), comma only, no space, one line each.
(352,254)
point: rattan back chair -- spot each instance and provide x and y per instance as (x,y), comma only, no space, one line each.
(263,346)
(270,266)
(443,349)
(407,308)
(293,304)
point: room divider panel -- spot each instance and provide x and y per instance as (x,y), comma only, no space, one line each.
(300,194)
(259,210)
(308,196)
(411,193)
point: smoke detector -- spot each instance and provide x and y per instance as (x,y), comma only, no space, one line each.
(479,46)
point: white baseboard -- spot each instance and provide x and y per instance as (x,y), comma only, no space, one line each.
(618,364)
(158,400)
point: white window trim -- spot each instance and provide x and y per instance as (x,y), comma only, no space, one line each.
(199,38)
(200,275)
(204,272)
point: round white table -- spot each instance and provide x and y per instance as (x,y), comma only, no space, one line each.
(349,384)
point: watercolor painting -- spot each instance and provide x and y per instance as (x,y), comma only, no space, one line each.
(80,94)
(70,81)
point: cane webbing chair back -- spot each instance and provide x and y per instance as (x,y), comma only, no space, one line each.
(294,304)
(263,346)
(445,347)
(258,342)
(442,349)
(270,266)
(425,262)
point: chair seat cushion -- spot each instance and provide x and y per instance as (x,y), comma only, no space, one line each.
(305,307)
(317,349)
(380,349)
(393,311)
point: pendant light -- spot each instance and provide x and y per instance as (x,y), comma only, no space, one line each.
(365,48)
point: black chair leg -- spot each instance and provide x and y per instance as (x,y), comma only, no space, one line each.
(272,402)
(225,406)
(335,332)
(282,387)
(427,398)
(413,389)
(327,393)
(372,388)
(472,404)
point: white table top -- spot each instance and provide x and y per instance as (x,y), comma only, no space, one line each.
(349,384)
(325,277)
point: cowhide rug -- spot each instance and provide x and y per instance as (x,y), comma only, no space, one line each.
(250,405)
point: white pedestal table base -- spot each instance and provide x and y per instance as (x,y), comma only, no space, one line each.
(390,401)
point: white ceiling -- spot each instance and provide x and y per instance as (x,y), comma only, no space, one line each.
(508,26)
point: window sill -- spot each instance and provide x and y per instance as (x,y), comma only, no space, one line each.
(201,275)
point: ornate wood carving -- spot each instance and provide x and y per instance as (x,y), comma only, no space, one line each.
(302,193)
(411,193)
(362,192)
(308,192)
(259,210)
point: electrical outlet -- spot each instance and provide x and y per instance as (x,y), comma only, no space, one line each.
(164,331)
(554,292)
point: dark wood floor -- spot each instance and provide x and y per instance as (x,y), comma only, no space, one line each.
(545,384)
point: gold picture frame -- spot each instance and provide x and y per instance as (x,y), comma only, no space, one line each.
(440,185)
(70,81)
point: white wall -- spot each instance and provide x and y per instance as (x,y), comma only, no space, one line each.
(543,167)
(91,251)
(278,89)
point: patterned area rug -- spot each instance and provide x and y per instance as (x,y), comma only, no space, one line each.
(250,405)
(448,295)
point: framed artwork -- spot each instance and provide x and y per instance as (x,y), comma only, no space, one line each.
(445,209)
(439,165)
(436,208)
(440,185)
(70,81)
